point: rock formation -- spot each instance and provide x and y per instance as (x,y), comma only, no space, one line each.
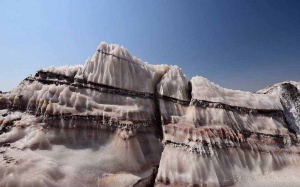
(118,121)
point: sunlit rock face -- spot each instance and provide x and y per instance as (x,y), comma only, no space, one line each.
(289,95)
(225,137)
(118,121)
(91,125)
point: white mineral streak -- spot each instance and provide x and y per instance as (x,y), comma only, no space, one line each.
(68,156)
(229,167)
(97,125)
(59,99)
(205,145)
(174,84)
(237,121)
(69,71)
(203,89)
(289,95)
(127,72)
(273,88)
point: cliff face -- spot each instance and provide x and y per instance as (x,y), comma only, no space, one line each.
(111,121)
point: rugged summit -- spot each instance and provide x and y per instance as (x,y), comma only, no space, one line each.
(118,121)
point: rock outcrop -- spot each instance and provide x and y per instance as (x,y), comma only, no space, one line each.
(112,120)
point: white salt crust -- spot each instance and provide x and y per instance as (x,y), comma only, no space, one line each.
(203,89)
(68,156)
(78,153)
(174,84)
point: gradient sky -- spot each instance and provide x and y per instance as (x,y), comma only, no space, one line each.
(244,45)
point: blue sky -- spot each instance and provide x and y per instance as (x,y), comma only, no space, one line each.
(244,45)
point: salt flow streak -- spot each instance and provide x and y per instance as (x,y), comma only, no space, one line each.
(119,121)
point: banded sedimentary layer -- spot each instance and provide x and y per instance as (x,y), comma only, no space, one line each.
(118,121)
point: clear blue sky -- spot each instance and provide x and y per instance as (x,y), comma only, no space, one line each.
(244,45)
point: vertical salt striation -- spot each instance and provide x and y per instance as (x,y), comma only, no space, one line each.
(91,121)
(101,124)
(289,94)
(228,137)
(113,65)
(174,95)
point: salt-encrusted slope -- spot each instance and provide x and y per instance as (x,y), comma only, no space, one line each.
(174,94)
(289,94)
(174,84)
(225,137)
(203,89)
(101,123)
(112,84)
(104,112)
(113,65)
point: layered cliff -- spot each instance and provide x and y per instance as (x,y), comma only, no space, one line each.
(227,137)
(113,120)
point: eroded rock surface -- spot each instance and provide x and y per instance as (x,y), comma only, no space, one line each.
(111,121)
